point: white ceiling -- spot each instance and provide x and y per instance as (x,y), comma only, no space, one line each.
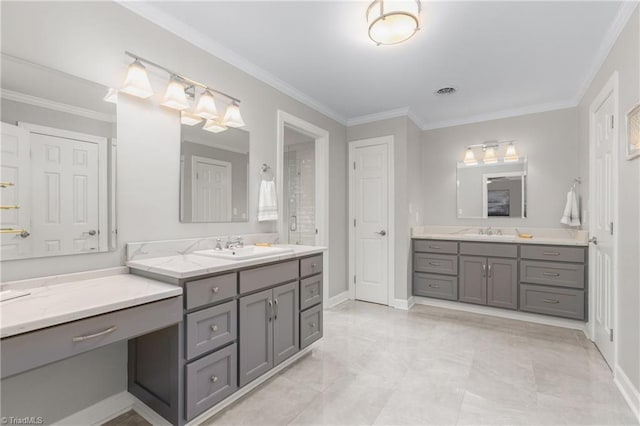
(505,58)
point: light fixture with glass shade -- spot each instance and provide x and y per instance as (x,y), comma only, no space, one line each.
(232,117)
(206,107)
(137,81)
(469,158)
(214,126)
(393,21)
(175,97)
(189,119)
(489,155)
(511,154)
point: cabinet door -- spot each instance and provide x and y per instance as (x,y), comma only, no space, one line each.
(285,322)
(473,282)
(502,283)
(256,335)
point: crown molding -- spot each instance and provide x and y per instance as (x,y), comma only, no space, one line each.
(507,113)
(624,14)
(198,39)
(383,115)
(56,106)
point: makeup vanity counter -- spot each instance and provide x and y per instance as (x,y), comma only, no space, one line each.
(57,317)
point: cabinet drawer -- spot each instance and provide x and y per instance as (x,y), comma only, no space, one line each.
(30,350)
(210,290)
(489,249)
(310,326)
(552,273)
(209,380)
(438,286)
(435,263)
(553,253)
(211,328)
(310,291)
(267,276)
(435,246)
(562,302)
(310,265)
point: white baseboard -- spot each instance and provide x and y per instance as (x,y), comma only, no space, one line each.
(628,391)
(336,300)
(404,304)
(100,412)
(502,313)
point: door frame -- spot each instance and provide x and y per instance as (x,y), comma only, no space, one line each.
(321,137)
(199,159)
(611,87)
(353,145)
(103,170)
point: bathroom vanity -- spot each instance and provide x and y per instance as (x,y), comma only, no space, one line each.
(241,319)
(541,275)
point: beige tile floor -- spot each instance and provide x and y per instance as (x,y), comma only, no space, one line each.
(431,366)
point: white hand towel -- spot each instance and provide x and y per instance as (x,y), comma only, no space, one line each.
(566,216)
(575,213)
(267,201)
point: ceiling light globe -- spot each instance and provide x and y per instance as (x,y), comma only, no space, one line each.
(392,22)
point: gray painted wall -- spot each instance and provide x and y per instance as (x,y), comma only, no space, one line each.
(548,139)
(624,58)
(149,151)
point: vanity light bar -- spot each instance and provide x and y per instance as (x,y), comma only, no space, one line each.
(181,76)
(489,150)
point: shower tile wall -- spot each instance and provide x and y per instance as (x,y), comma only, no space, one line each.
(300,190)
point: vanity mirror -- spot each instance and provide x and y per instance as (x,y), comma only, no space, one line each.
(492,190)
(57,190)
(214,175)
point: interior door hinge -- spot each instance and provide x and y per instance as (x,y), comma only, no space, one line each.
(612,121)
(611,228)
(611,335)
(354,222)
(354,279)
(354,165)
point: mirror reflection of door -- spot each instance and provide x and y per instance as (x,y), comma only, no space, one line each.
(211,190)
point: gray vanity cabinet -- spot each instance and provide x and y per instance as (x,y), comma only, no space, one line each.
(256,335)
(502,283)
(473,288)
(285,322)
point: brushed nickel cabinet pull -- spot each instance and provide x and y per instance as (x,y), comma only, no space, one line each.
(434,286)
(435,247)
(93,336)
(434,264)
(214,379)
(550,301)
(484,270)
(214,327)
(313,325)
(550,274)
(489,270)
(270,310)
(551,253)
(215,290)
(275,305)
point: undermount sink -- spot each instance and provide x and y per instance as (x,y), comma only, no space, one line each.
(242,253)
(491,237)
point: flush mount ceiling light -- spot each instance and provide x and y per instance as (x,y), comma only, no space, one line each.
(206,106)
(137,81)
(393,21)
(180,90)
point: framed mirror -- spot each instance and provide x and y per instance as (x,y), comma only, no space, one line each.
(57,190)
(214,175)
(496,190)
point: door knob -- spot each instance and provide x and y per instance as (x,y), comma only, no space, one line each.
(92,232)
(383,233)
(594,240)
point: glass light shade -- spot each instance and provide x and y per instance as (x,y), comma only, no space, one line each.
(137,81)
(175,97)
(214,126)
(511,154)
(232,117)
(206,107)
(189,119)
(111,96)
(469,158)
(393,21)
(490,155)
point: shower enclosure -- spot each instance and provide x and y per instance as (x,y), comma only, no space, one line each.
(299,188)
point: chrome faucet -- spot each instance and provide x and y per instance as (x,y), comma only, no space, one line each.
(218,244)
(499,232)
(234,242)
(489,231)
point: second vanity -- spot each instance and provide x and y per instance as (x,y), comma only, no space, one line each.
(241,319)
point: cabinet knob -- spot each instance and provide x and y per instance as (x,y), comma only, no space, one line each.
(215,290)
(214,379)
(214,327)
(313,325)
(313,265)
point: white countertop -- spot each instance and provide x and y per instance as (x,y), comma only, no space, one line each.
(564,237)
(191,265)
(61,302)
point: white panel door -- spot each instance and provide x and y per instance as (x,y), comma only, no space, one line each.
(211,190)
(65,195)
(14,192)
(371,198)
(604,152)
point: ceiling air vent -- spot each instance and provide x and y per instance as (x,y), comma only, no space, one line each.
(446,91)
